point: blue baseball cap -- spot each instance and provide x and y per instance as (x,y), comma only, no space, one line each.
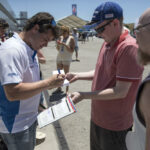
(105,11)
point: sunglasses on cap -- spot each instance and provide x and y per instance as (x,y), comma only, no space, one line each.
(102,28)
(135,30)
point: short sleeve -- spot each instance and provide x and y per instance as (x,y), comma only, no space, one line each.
(11,67)
(127,65)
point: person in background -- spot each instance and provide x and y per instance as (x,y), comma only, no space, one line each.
(139,139)
(20,84)
(3,27)
(115,80)
(65,46)
(75,35)
(83,36)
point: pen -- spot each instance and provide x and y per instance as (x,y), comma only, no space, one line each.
(59,71)
(52,112)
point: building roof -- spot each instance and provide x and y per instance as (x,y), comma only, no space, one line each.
(72,22)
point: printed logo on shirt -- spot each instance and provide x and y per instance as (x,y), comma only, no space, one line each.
(12,74)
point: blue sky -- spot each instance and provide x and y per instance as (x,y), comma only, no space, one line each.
(85,8)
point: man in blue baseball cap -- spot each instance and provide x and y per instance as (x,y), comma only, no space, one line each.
(115,80)
(106,11)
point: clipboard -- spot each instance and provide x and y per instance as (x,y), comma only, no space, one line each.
(62,109)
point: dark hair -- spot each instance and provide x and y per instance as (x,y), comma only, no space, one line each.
(44,20)
(3,23)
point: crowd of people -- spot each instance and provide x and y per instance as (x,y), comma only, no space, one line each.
(120,114)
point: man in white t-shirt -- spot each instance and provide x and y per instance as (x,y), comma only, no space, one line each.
(20,84)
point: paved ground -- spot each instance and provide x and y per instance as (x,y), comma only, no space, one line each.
(74,127)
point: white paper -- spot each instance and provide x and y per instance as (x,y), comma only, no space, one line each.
(58,111)
(45,117)
(66,82)
(59,108)
(56,72)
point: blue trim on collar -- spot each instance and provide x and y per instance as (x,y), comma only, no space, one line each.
(34,54)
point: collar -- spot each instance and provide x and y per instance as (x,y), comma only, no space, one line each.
(32,52)
(33,56)
(119,40)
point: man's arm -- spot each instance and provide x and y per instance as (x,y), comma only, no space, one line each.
(145,111)
(23,91)
(119,91)
(41,57)
(71,46)
(80,76)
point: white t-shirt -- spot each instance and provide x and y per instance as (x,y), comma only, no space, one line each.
(17,64)
(135,140)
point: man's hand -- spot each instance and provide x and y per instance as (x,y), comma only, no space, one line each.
(76,97)
(42,60)
(41,57)
(56,81)
(71,77)
(59,42)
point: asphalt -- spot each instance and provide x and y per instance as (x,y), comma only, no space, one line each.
(55,139)
(51,141)
(71,133)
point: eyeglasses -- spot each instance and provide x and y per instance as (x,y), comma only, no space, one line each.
(135,30)
(102,28)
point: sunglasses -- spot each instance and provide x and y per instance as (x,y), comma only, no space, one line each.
(136,30)
(46,22)
(102,28)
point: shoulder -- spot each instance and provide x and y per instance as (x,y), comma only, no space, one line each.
(145,95)
(12,49)
(13,43)
(129,42)
(145,102)
(128,45)
(71,38)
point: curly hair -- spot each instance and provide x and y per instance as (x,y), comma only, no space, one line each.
(44,20)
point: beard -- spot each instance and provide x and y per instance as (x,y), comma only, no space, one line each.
(143,58)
